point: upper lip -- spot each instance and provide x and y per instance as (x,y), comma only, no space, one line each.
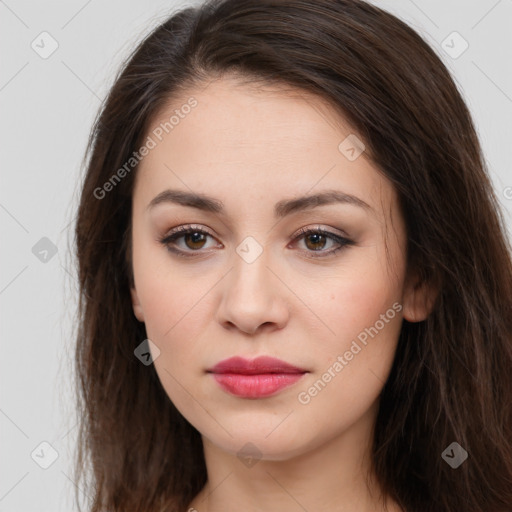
(262,364)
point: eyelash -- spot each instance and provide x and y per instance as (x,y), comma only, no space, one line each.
(179,232)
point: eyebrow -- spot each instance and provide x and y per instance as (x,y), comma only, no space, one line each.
(281,208)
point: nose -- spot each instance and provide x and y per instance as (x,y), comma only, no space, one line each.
(253,298)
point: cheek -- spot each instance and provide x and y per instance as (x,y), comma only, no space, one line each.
(353,365)
(355,301)
(173,310)
(174,315)
(175,319)
(170,298)
(177,309)
(363,312)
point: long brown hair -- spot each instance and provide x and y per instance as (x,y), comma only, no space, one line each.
(452,376)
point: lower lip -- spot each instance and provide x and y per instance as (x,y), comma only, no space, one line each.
(255,386)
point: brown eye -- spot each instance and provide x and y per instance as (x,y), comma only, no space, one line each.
(186,241)
(322,242)
(315,241)
(195,239)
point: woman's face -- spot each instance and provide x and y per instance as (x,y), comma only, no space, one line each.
(248,280)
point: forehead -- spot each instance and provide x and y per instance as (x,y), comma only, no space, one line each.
(251,143)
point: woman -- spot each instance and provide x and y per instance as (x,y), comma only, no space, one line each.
(295,279)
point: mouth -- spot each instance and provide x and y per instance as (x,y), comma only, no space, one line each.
(259,378)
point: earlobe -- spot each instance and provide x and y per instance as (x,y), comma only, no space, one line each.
(419,299)
(137,308)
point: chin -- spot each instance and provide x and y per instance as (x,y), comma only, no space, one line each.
(254,441)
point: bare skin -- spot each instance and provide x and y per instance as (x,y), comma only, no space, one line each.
(251,149)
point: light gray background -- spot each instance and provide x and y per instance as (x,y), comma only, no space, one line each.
(47,109)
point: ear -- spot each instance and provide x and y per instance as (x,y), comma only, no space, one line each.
(137,308)
(419,298)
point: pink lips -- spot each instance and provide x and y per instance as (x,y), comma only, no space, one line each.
(259,378)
